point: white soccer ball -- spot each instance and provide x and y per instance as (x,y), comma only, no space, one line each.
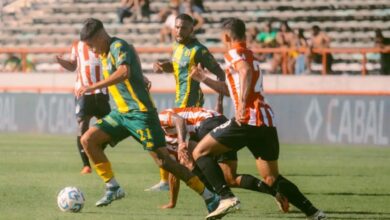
(70,199)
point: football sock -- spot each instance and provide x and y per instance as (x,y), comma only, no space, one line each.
(207,194)
(83,155)
(202,177)
(112,183)
(104,170)
(294,196)
(195,184)
(164,175)
(252,183)
(214,176)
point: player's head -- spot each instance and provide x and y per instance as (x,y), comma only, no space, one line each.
(184,26)
(316,30)
(94,35)
(233,30)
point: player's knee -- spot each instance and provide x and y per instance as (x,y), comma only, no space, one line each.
(87,142)
(198,152)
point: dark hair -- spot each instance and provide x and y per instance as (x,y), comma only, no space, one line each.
(185,17)
(316,28)
(236,27)
(90,27)
(285,23)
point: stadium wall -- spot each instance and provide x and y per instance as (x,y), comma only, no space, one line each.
(357,117)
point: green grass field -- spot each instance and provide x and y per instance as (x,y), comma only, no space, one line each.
(346,182)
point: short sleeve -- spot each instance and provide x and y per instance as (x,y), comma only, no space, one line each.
(122,54)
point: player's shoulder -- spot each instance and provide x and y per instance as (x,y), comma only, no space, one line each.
(118,44)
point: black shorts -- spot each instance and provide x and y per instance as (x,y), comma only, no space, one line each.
(96,105)
(206,126)
(228,156)
(261,141)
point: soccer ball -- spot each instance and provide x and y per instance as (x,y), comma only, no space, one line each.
(70,199)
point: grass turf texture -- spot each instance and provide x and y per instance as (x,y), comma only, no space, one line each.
(346,182)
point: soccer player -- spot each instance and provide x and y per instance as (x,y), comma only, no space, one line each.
(188,52)
(198,122)
(92,104)
(253,126)
(135,115)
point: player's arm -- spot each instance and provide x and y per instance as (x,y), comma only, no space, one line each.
(174,188)
(182,151)
(121,74)
(245,73)
(326,40)
(70,65)
(161,67)
(199,74)
(208,61)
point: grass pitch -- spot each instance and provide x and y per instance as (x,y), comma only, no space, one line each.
(346,182)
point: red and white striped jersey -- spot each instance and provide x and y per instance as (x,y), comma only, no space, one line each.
(258,112)
(193,116)
(89,69)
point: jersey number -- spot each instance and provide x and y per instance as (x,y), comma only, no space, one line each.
(144,134)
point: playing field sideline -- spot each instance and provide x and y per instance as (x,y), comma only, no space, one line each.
(346,182)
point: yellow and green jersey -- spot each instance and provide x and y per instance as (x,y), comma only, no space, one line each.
(185,57)
(130,94)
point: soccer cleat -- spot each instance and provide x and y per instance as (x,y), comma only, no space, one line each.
(212,203)
(86,170)
(225,206)
(319,215)
(282,202)
(161,186)
(111,194)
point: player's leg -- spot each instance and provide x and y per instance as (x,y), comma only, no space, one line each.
(83,109)
(146,129)
(162,159)
(228,164)
(203,155)
(163,185)
(267,165)
(83,125)
(106,130)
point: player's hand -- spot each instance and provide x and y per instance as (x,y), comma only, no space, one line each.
(158,67)
(84,89)
(198,73)
(59,58)
(183,154)
(240,115)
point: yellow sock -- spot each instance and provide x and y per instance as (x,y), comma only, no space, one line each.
(164,175)
(104,170)
(195,184)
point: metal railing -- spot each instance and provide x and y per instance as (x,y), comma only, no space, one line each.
(284,51)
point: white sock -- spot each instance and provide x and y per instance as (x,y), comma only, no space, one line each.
(112,183)
(207,194)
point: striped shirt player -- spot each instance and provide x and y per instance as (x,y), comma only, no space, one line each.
(257,130)
(199,122)
(94,103)
(184,58)
(253,127)
(91,104)
(258,112)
